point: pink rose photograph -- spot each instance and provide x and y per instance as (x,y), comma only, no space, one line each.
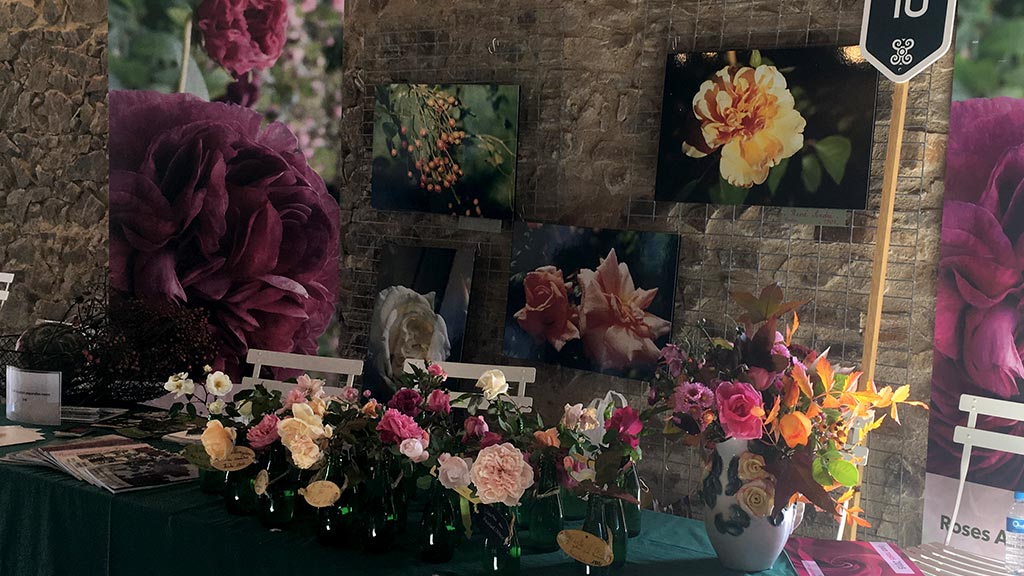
(591,299)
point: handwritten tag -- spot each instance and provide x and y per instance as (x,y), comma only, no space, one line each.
(241,457)
(586,548)
(259,486)
(321,494)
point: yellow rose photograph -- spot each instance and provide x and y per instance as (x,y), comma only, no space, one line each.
(774,128)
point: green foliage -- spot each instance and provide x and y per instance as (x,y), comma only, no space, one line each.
(834,153)
(810,172)
(844,472)
(725,193)
(776,173)
(989,49)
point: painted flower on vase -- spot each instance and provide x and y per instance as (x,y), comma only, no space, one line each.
(548,315)
(748,113)
(740,410)
(757,497)
(243,35)
(751,467)
(405,326)
(616,329)
(210,209)
(501,475)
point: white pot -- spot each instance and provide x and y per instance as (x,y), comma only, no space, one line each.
(744,534)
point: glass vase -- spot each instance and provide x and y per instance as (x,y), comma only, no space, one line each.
(545,512)
(338,524)
(276,506)
(438,534)
(239,491)
(503,555)
(212,481)
(629,482)
(380,519)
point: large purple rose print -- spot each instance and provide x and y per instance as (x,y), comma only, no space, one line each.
(979,323)
(210,209)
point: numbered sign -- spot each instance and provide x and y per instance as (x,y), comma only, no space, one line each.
(903,37)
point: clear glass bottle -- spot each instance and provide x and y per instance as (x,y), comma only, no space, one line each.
(545,512)
(438,534)
(1015,536)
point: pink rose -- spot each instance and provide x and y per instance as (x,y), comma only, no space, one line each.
(617,331)
(475,427)
(740,410)
(311,386)
(414,450)
(349,395)
(763,379)
(395,426)
(407,401)
(626,424)
(452,471)
(490,439)
(265,433)
(548,315)
(436,371)
(501,475)
(294,396)
(242,35)
(673,359)
(439,401)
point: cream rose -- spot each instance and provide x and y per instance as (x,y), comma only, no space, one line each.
(217,440)
(218,383)
(216,407)
(571,416)
(305,452)
(501,475)
(308,415)
(493,384)
(751,467)
(405,326)
(757,497)
(453,471)
(289,429)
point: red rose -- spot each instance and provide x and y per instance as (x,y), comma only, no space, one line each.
(243,35)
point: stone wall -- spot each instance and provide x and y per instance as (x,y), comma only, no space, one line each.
(591,75)
(53,160)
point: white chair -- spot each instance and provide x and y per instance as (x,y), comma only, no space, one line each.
(519,376)
(970,437)
(6,278)
(260,358)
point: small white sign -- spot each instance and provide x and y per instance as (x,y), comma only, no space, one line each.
(892,558)
(816,216)
(33,397)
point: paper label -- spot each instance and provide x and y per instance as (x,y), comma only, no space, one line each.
(33,397)
(892,558)
(812,568)
(241,457)
(586,548)
(259,485)
(321,494)
(817,216)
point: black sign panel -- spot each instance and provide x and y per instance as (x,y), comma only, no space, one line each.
(903,37)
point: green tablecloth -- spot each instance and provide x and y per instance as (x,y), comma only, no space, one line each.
(51,524)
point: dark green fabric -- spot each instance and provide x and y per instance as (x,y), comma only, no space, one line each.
(51,524)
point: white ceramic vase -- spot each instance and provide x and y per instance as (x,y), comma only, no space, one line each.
(739,494)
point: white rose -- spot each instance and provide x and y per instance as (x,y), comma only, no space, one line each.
(218,383)
(216,407)
(413,449)
(245,409)
(453,471)
(188,387)
(571,416)
(405,326)
(493,384)
(174,384)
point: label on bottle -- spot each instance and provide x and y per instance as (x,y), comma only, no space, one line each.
(321,494)
(259,485)
(1015,525)
(241,457)
(586,548)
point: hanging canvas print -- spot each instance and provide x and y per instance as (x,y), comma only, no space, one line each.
(591,299)
(775,128)
(419,313)
(448,149)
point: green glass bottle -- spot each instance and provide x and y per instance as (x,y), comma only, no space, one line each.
(615,521)
(605,520)
(629,482)
(595,524)
(503,556)
(338,524)
(212,481)
(574,508)
(239,491)
(380,519)
(545,512)
(276,506)
(438,534)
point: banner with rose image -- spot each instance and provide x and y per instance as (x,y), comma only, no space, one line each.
(591,299)
(785,127)
(979,319)
(420,311)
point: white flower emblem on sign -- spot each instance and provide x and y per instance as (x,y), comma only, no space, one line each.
(902,46)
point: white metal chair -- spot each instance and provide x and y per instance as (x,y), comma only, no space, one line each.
(518,376)
(260,358)
(6,278)
(970,436)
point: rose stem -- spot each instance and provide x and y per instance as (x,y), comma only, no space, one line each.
(186,49)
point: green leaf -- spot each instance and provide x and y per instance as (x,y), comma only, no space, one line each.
(834,153)
(191,409)
(196,454)
(776,173)
(810,173)
(819,469)
(725,193)
(1004,39)
(755,58)
(844,472)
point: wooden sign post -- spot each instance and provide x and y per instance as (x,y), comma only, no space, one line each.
(900,38)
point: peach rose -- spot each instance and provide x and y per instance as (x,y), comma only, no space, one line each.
(501,475)
(218,440)
(748,113)
(371,408)
(547,438)
(617,331)
(548,315)
(757,497)
(305,452)
(795,428)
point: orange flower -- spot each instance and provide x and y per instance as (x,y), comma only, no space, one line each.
(795,428)
(547,438)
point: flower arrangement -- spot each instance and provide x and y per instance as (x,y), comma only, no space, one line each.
(796,410)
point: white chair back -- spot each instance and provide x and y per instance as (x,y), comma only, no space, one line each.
(516,376)
(970,437)
(260,358)
(6,278)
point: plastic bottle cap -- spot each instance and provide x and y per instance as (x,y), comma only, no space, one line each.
(1018,496)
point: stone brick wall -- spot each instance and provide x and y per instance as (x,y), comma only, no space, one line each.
(592,76)
(53,160)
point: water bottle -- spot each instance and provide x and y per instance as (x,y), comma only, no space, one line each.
(1015,536)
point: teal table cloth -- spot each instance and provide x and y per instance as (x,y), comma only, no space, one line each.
(52,524)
